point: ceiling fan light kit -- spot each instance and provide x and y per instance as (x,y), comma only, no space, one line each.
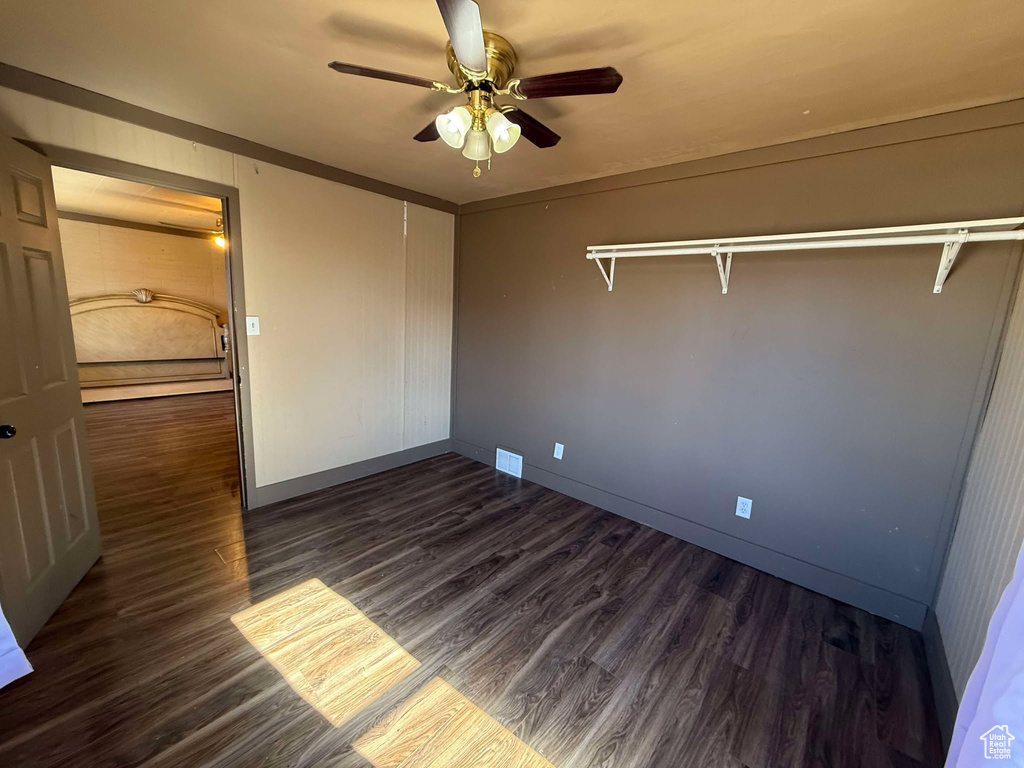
(504,133)
(478,146)
(453,126)
(483,63)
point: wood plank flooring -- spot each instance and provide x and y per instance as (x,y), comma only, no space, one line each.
(438,727)
(594,640)
(330,653)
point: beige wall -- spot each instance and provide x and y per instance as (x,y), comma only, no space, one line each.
(354,356)
(355,321)
(990,528)
(101,259)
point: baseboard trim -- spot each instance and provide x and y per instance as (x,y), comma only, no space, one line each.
(880,602)
(297,486)
(159,389)
(946,703)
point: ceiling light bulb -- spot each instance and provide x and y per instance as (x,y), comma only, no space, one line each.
(478,146)
(453,126)
(504,133)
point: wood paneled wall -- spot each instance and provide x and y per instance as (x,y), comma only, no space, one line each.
(101,259)
(354,356)
(990,528)
(428,320)
(362,297)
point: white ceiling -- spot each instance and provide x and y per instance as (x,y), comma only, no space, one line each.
(80,192)
(701,78)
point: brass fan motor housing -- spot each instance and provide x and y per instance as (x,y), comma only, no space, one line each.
(501,60)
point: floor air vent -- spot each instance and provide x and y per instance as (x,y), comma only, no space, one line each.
(506,461)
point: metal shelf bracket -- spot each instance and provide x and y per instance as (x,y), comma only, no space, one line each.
(609,274)
(723,271)
(950,250)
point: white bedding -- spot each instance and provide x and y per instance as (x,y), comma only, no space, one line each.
(13,663)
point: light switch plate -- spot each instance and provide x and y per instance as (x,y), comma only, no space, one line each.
(252,325)
(743,507)
(558,450)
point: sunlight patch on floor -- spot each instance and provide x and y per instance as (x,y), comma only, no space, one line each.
(439,727)
(325,648)
(340,662)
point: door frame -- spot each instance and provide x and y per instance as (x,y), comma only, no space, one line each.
(107,166)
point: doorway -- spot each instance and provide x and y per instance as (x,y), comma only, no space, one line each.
(142,225)
(146,274)
(49,527)
(146,270)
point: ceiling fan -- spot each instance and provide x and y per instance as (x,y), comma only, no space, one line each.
(483,63)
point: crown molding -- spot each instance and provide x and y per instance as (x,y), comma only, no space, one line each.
(981,118)
(35,84)
(933,126)
(107,221)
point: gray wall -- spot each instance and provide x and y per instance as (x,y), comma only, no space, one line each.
(833,388)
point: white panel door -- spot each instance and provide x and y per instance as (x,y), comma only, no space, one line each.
(49,535)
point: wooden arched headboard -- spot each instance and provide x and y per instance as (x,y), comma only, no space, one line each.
(144,337)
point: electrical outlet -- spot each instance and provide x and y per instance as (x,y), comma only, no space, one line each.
(743,507)
(252,325)
(506,461)
(558,450)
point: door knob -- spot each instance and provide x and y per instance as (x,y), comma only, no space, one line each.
(7,431)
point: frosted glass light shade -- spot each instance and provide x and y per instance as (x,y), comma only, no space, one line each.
(478,146)
(504,133)
(453,126)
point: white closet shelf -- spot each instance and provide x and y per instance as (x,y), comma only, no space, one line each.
(950,235)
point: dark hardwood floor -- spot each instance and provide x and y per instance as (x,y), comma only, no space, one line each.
(598,641)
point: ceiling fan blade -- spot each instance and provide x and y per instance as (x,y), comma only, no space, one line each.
(380,74)
(577,83)
(429,133)
(462,20)
(533,129)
